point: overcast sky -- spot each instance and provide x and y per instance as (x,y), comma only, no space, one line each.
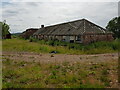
(28,14)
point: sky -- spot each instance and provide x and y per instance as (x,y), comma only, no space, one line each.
(32,14)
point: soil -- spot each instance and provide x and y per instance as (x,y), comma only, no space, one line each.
(47,58)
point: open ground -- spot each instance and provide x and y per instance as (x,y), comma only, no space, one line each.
(24,67)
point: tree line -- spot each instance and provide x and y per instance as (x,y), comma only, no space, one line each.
(114,26)
(4,28)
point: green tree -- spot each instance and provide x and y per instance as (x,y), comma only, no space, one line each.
(114,26)
(5,29)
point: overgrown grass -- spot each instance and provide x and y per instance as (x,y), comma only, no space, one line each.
(94,48)
(19,45)
(42,46)
(0,45)
(22,74)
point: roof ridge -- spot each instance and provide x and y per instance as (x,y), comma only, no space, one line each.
(65,23)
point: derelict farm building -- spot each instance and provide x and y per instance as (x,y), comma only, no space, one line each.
(79,31)
(28,33)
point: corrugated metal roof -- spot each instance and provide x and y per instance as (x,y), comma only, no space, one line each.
(77,27)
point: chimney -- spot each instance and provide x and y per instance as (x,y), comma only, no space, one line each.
(42,26)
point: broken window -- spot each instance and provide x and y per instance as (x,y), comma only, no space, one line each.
(79,38)
(71,41)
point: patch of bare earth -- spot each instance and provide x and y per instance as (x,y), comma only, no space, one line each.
(38,57)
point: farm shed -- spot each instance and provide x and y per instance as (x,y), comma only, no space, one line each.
(29,32)
(8,36)
(79,31)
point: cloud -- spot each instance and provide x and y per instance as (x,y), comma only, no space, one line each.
(62,0)
(23,15)
(8,13)
(0,10)
(119,8)
(32,4)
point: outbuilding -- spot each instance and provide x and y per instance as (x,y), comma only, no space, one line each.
(29,32)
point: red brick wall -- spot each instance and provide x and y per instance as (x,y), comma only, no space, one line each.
(89,38)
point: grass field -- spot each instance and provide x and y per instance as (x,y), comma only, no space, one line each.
(22,74)
(0,45)
(30,65)
(17,45)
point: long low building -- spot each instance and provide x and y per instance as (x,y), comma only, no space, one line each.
(28,33)
(79,31)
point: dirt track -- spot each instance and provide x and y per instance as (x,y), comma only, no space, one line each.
(27,56)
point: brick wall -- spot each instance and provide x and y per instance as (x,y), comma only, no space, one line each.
(89,38)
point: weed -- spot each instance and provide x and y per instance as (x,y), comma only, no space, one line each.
(105,80)
(92,73)
(105,72)
(32,57)
(65,63)
(7,61)
(24,80)
(22,63)
(42,46)
(57,67)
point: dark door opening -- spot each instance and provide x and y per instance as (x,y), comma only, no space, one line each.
(71,41)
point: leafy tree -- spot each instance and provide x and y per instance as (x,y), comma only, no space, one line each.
(5,29)
(114,26)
